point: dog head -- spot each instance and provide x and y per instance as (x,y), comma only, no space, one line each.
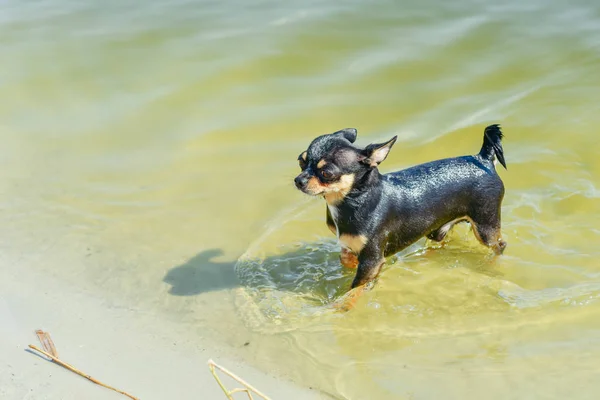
(332,166)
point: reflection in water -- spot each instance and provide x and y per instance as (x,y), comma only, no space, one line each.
(425,290)
(282,291)
(287,290)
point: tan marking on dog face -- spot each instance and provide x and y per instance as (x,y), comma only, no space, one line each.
(314,186)
(353,242)
(304,155)
(321,164)
(333,192)
(336,192)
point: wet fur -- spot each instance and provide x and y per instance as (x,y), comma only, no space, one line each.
(378,215)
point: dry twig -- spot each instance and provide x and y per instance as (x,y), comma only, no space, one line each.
(249,389)
(51,353)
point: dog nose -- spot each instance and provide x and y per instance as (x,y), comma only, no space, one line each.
(300,182)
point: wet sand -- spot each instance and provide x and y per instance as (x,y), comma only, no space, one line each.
(122,347)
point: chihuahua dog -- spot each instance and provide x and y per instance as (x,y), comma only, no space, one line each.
(375,216)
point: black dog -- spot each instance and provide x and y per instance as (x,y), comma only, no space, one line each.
(375,216)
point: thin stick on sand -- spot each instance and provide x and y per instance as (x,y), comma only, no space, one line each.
(249,389)
(49,346)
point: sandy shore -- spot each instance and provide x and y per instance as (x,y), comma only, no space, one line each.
(133,351)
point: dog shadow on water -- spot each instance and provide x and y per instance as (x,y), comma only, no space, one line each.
(311,270)
(200,274)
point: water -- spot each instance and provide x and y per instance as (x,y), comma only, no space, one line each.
(148,153)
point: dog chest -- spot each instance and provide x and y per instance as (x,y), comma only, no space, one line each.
(354,243)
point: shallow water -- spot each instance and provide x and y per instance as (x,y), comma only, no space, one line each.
(148,154)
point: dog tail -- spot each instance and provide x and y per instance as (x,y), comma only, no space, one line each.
(492,144)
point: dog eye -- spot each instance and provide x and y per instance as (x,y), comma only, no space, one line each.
(302,163)
(326,174)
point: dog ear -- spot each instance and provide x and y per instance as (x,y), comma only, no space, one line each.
(349,134)
(375,153)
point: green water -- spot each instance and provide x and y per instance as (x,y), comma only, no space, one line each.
(146,147)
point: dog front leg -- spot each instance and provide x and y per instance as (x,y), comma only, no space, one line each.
(348,258)
(370,261)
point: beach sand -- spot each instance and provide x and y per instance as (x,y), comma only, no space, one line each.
(131,350)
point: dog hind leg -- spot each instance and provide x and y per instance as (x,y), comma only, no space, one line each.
(486,226)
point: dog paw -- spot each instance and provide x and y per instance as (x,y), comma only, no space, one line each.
(348,259)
